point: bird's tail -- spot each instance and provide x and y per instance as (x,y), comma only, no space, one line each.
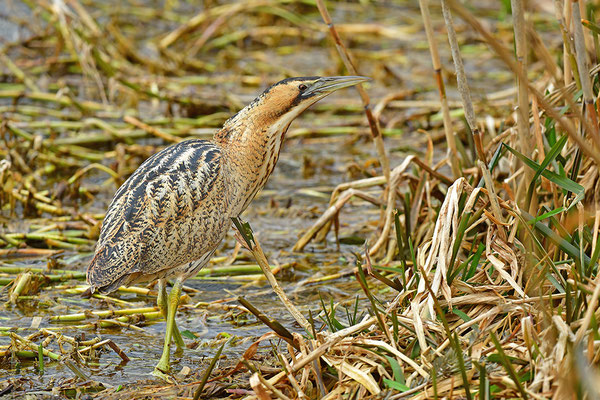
(107,271)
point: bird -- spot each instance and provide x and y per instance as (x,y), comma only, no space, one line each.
(167,219)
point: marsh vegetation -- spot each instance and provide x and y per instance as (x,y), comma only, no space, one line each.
(437,230)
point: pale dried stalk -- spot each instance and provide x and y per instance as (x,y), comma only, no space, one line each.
(389,216)
(330,213)
(593,302)
(583,67)
(523,98)
(373,123)
(319,351)
(537,125)
(581,52)
(272,388)
(201,17)
(450,385)
(570,65)
(94,346)
(495,205)
(461,77)
(364,378)
(542,52)
(261,260)
(563,16)
(537,129)
(463,85)
(259,389)
(332,340)
(596,227)
(322,224)
(561,90)
(437,67)
(152,130)
(292,378)
(361,183)
(86,18)
(22,282)
(358,184)
(394,351)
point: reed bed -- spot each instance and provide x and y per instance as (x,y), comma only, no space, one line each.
(477,272)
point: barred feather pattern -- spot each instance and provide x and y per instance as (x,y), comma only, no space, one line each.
(160,220)
(168,218)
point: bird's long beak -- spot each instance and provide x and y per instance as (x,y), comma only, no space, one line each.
(332,83)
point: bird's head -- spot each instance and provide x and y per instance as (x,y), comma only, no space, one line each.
(294,95)
(274,110)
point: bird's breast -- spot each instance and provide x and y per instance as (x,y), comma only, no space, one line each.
(250,166)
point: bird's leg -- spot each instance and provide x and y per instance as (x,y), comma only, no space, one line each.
(161,301)
(163,365)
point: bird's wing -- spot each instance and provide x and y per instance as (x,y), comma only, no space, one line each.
(166,188)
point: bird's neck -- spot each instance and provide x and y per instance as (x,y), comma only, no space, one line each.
(251,142)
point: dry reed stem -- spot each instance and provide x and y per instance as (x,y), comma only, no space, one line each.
(152,130)
(518,14)
(391,349)
(364,378)
(292,378)
(463,86)
(261,259)
(330,213)
(582,65)
(439,79)
(544,54)
(322,232)
(394,182)
(343,197)
(373,123)
(201,17)
(439,250)
(589,314)
(272,388)
(563,16)
(330,341)
(461,77)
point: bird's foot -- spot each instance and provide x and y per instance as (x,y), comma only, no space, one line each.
(163,368)
(160,373)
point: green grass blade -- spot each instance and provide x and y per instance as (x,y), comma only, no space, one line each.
(564,245)
(550,156)
(508,366)
(558,180)
(210,368)
(547,215)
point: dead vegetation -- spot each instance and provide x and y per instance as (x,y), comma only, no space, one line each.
(479,278)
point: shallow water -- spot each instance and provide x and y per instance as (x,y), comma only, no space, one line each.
(277,217)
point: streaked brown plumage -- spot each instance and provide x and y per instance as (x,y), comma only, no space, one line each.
(168,218)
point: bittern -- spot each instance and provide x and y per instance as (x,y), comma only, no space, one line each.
(169,216)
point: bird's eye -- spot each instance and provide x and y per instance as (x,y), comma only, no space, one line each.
(302,87)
